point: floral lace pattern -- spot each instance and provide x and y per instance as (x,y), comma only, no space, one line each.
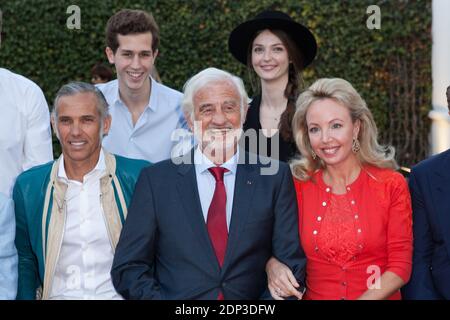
(337,240)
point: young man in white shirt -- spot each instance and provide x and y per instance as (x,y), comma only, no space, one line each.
(25,136)
(144,112)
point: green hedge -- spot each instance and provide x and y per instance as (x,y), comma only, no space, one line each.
(391,67)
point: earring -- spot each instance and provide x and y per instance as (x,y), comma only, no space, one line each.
(314,155)
(355,145)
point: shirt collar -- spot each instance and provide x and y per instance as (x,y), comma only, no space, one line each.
(203,163)
(152,103)
(99,167)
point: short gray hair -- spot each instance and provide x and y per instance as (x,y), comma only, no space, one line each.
(74,88)
(208,76)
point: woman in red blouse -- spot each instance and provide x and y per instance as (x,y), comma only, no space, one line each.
(354,210)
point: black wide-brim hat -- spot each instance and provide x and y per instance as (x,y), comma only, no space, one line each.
(240,37)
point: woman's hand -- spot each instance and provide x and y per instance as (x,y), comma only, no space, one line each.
(388,284)
(281,280)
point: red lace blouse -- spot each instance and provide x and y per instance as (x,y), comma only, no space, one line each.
(350,240)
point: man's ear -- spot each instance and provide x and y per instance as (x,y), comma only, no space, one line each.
(55,129)
(107,124)
(188,118)
(109,55)
(155,54)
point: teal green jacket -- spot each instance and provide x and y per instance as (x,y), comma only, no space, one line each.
(30,196)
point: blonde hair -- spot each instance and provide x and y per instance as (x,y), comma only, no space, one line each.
(342,92)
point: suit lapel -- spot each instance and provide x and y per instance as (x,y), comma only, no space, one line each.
(441,185)
(243,195)
(188,193)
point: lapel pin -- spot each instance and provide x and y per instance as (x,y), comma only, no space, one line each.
(249,182)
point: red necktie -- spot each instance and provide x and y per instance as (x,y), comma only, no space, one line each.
(217,217)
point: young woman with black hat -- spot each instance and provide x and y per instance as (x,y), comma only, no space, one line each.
(277,49)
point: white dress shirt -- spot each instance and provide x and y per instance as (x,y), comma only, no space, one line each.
(151,137)
(8,252)
(206,183)
(86,254)
(25,136)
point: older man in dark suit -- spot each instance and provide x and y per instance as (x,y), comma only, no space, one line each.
(203,226)
(429,184)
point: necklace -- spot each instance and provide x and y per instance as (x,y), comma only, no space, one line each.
(271,114)
(274,117)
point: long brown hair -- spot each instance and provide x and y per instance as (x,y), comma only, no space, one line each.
(295,80)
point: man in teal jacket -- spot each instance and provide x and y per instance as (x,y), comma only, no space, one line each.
(69,213)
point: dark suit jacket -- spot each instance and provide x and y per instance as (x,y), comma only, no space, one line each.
(429,184)
(164,251)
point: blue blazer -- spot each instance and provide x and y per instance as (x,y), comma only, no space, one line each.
(429,185)
(164,251)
